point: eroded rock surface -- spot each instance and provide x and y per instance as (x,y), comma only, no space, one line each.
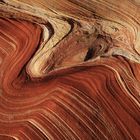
(69,69)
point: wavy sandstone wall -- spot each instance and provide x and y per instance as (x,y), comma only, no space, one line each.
(69,69)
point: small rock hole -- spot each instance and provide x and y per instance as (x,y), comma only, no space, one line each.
(89,54)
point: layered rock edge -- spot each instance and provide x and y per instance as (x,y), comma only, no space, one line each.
(69,69)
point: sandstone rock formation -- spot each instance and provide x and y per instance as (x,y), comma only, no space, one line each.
(69,70)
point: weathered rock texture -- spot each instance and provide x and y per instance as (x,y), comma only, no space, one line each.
(69,69)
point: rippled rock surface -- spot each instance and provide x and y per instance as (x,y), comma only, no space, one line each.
(69,70)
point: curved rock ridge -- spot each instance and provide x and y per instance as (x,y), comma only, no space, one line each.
(69,70)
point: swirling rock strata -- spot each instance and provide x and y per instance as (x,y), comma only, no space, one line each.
(69,69)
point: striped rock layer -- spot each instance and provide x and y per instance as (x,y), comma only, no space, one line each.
(69,70)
